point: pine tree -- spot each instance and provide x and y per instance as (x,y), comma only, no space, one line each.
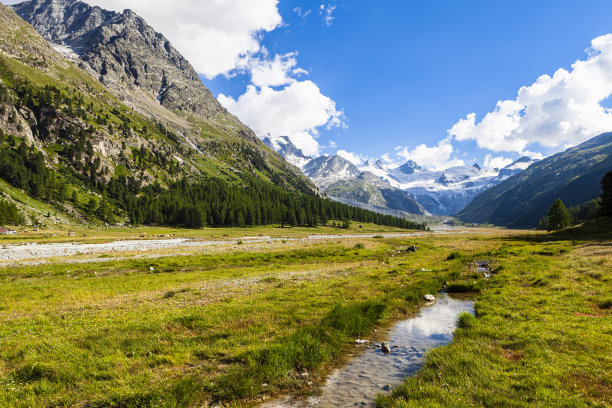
(558,216)
(605,208)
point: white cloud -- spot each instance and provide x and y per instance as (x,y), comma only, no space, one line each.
(554,112)
(354,158)
(436,157)
(275,72)
(498,162)
(215,36)
(301,12)
(297,111)
(327,11)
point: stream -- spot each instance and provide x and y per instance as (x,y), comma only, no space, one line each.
(370,371)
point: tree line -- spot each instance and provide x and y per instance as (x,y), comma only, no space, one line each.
(560,217)
(188,203)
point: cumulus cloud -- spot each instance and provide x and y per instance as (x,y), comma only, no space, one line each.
(215,36)
(275,72)
(497,162)
(436,157)
(553,112)
(296,111)
(356,159)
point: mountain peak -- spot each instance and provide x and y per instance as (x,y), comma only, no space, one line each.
(409,167)
(127,55)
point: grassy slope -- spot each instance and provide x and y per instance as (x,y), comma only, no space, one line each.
(542,336)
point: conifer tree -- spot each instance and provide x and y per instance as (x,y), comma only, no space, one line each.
(558,216)
(605,208)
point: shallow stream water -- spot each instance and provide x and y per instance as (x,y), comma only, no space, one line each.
(371,371)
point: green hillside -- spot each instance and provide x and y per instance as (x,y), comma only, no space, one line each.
(522,200)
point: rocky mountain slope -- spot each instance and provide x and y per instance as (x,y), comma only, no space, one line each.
(146,73)
(124,53)
(521,200)
(287,149)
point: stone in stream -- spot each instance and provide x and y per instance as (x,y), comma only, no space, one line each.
(429,298)
(385,347)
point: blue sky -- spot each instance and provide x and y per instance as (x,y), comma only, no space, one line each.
(404,72)
(439,82)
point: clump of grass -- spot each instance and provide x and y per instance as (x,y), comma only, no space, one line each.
(463,287)
(239,242)
(377,236)
(172,293)
(466,320)
(453,255)
(605,304)
(359,245)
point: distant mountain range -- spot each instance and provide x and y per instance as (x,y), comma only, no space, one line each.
(407,188)
(520,201)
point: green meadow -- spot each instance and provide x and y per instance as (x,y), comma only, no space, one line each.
(236,327)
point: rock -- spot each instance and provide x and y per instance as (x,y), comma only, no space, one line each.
(304,376)
(429,298)
(386,387)
(360,341)
(385,347)
(151,268)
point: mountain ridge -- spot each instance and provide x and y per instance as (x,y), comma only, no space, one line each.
(522,200)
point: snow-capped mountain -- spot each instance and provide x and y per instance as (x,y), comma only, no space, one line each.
(343,181)
(327,170)
(408,187)
(287,149)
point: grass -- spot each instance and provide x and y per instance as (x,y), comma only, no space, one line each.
(541,337)
(232,327)
(197,329)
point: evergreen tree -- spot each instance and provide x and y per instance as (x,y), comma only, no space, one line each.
(606,195)
(558,216)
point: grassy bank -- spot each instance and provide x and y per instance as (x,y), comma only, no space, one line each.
(542,336)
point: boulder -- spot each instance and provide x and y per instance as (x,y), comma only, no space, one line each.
(385,347)
(429,298)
